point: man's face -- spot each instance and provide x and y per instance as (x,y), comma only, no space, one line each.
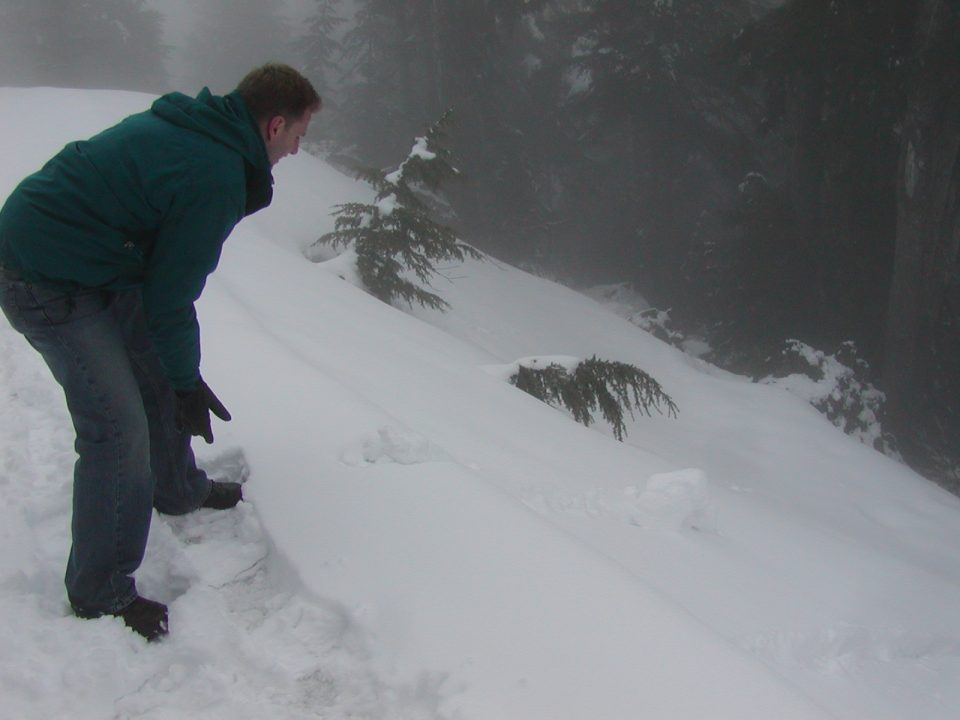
(283,138)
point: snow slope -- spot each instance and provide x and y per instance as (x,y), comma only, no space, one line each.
(424,541)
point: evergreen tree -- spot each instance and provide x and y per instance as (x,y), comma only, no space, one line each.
(831,81)
(767,183)
(407,62)
(231,37)
(386,69)
(610,387)
(114,44)
(649,107)
(396,233)
(859,106)
(319,53)
(493,64)
(320,49)
(921,375)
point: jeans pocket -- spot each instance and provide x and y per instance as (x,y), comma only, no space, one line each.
(46,305)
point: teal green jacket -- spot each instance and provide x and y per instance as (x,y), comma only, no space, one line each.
(145,204)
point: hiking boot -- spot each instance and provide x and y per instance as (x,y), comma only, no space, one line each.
(223,495)
(146,617)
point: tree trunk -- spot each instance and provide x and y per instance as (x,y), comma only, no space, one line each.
(928,221)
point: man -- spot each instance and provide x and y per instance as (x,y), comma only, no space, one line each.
(103,253)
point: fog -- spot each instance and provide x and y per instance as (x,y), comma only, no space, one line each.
(149,45)
(736,161)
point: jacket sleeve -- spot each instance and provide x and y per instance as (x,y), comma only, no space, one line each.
(186,250)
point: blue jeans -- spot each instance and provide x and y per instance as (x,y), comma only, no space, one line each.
(131,456)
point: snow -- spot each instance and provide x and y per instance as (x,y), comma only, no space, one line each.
(507,371)
(837,386)
(419,150)
(421,540)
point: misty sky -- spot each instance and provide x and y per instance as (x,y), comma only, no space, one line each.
(180,17)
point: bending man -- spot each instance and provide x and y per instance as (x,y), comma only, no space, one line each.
(103,253)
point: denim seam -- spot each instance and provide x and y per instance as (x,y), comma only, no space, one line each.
(118,440)
(118,602)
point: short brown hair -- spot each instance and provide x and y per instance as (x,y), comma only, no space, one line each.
(277,89)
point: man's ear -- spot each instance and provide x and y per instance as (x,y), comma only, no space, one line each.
(274,125)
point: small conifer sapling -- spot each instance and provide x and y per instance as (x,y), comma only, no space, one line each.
(395,233)
(594,384)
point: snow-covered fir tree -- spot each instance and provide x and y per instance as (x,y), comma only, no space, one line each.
(396,232)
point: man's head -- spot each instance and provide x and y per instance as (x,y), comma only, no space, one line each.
(282,102)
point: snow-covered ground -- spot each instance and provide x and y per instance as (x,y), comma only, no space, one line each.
(424,541)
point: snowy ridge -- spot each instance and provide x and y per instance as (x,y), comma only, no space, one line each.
(423,541)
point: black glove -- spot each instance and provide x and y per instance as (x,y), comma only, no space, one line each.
(193,411)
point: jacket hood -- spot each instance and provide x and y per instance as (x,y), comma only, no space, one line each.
(227,120)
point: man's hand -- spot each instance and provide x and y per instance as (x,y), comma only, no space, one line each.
(193,411)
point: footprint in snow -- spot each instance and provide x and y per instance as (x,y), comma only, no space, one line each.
(277,650)
(392,444)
